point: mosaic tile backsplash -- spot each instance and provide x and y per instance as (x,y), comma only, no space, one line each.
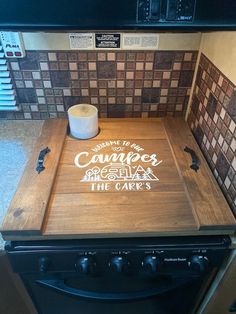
(213,121)
(119,84)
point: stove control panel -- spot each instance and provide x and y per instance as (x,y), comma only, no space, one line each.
(100,258)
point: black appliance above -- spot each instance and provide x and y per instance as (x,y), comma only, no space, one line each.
(117,15)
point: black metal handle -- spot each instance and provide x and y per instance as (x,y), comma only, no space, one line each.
(195,160)
(40,167)
(60,286)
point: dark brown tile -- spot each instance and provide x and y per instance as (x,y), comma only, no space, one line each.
(231,108)
(62,56)
(106,70)
(60,79)
(198,133)
(163,60)
(222,166)
(211,105)
(27,95)
(116,111)
(151,95)
(30,62)
(186,78)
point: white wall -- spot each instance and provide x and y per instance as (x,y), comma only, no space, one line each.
(220,48)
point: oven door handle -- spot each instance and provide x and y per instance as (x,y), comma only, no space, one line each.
(60,286)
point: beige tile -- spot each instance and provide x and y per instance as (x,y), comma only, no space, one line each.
(111,56)
(84,92)
(174,83)
(130,75)
(177,66)
(163,100)
(120,84)
(144,114)
(92,66)
(93,84)
(166,75)
(164,92)
(153,107)
(74,75)
(101,56)
(111,100)
(179,107)
(94,100)
(102,92)
(73,66)
(156,83)
(120,66)
(139,65)
(52,56)
(138,92)
(128,100)
(149,66)
(188,56)
(220,81)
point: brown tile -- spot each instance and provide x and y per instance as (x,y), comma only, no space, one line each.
(211,105)
(222,166)
(53,66)
(63,66)
(60,79)
(106,70)
(131,66)
(150,95)
(131,56)
(26,75)
(149,56)
(82,56)
(120,56)
(72,56)
(179,56)
(27,95)
(140,56)
(186,78)
(139,74)
(30,62)
(163,60)
(62,56)
(231,108)
(83,75)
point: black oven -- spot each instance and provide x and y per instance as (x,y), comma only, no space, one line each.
(118,276)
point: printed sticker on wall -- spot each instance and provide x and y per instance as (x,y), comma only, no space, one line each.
(118,166)
(138,41)
(107,41)
(81,40)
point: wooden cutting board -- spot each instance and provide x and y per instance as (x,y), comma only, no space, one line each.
(132,179)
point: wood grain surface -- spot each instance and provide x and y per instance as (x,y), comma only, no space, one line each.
(208,201)
(27,209)
(172,200)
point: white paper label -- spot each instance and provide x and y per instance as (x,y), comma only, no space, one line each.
(140,41)
(81,40)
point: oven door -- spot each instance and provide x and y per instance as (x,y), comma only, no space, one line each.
(73,294)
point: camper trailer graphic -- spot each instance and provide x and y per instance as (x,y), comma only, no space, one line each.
(119,172)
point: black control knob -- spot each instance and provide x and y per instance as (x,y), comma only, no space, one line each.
(120,264)
(44,263)
(85,265)
(198,263)
(152,264)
